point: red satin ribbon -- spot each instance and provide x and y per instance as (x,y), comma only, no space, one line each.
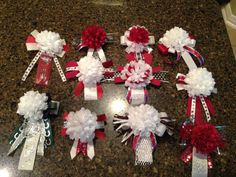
(79,88)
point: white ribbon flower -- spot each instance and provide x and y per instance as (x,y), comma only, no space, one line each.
(143,120)
(49,42)
(81,125)
(199,82)
(137,74)
(175,39)
(91,71)
(32,105)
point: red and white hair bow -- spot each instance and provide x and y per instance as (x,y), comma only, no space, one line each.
(199,84)
(90,72)
(179,41)
(137,40)
(140,126)
(137,75)
(50,46)
(83,126)
(93,37)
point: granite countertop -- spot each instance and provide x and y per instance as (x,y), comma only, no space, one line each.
(202,18)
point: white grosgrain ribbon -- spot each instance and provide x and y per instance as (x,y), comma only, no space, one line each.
(32,45)
(90,92)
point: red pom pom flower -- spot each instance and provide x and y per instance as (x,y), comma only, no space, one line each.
(204,137)
(138,34)
(137,39)
(93,36)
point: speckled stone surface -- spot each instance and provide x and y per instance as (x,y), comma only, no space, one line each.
(202,18)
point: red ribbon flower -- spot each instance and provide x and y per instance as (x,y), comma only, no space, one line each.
(93,37)
(204,137)
(138,35)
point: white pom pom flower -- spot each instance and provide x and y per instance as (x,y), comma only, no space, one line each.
(199,82)
(49,42)
(91,71)
(137,74)
(143,120)
(81,125)
(176,38)
(32,105)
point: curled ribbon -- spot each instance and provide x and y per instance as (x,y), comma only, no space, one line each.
(49,45)
(81,144)
(142,137)
(37,133)
(182,43)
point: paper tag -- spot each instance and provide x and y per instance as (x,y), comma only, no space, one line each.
(44,70)
(188,60)
(199,164)
(28,153)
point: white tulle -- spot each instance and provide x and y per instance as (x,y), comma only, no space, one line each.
(135,77)
(49,42)
(81,125)
(32,105)
(199,82)
(175,39)
(91,70)
(143,119)
(132,46)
